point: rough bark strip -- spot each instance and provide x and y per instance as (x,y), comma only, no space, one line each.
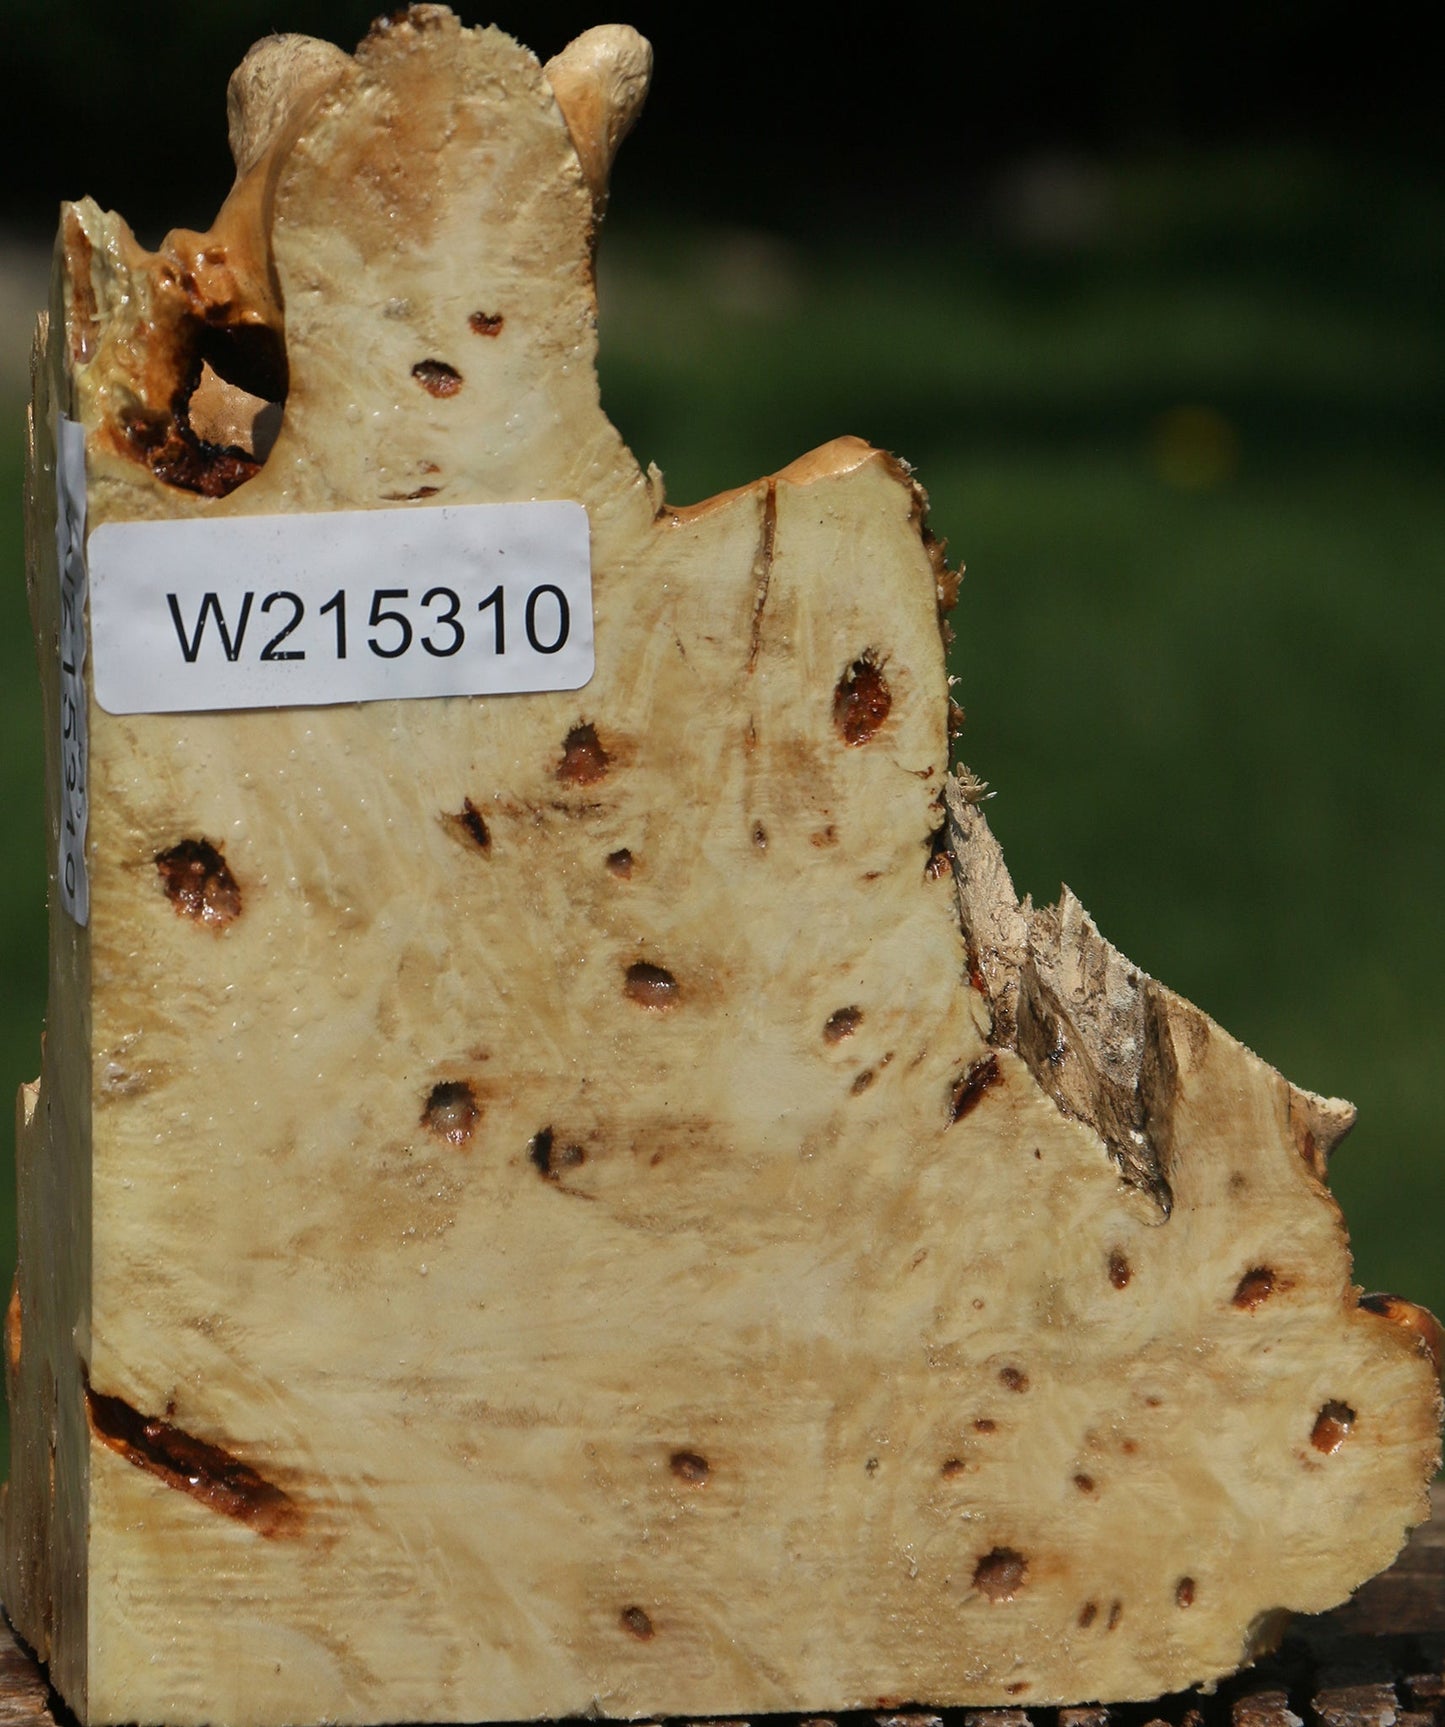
(1081,1016)
(1097,1033)
(1081,1029)
(995,924)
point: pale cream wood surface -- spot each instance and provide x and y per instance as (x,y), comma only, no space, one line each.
(603,1201)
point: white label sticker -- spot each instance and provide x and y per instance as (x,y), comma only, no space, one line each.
(74,733)
(354,606)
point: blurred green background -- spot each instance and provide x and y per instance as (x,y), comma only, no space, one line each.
(1156,316)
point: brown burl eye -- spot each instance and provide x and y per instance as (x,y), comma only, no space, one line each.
(862,700)
(198,882)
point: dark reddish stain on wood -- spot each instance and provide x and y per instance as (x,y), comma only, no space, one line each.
(469,822)
(451,1111)
(175,454)
(985,1425)
(1332,1427)
(584,761)
(1014,1378)
(195,331)
(1120,1271)
(550,1158)
(437,378)
(1001,1574)
(1184,1592)
(1257,1285)
(636,1621)
(861,701)
(1084,1483)
(651,985)
(486,323)
(540,1151)
(842,1024)
(219,1480)
(862,1081)
(690,1466)
(620,863)
(198,882)
(1088,1613)
(968,1093)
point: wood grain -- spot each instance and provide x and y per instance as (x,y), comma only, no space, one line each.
(1378,1661)
(605,1202)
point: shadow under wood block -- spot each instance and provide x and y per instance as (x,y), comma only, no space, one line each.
(600,1200)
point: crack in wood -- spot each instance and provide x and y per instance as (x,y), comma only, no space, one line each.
(763,570)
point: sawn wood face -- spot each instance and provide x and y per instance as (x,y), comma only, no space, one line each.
(614,1176)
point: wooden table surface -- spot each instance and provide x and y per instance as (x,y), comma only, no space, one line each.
(1378,1661)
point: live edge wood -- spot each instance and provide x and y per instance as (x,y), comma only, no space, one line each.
(605,1202)
(1377,1661)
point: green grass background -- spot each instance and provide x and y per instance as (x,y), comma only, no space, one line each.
(1183,421)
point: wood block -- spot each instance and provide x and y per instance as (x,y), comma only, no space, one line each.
(601,1200)
(1357,1706)
(1267,1708)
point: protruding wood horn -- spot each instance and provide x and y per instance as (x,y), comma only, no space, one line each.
(1419,1321)
(600,82)
(279,76)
